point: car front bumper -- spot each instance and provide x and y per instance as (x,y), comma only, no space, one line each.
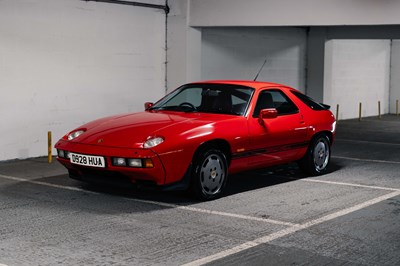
(155,175)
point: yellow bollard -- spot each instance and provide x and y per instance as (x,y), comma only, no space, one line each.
(379,109)
(49,155)
(337,112)
(359,112)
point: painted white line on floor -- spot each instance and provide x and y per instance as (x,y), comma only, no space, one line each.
(367,141)
(162,204)
(234,215)
(365,160)
(19,179)
(290,230)
(1,264)
(348,184)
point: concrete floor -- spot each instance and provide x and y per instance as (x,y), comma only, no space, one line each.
(269,217)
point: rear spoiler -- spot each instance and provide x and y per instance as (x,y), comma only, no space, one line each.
(327,107)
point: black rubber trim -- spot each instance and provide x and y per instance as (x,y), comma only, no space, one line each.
(268,150)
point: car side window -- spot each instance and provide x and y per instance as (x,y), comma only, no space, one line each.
(275,99)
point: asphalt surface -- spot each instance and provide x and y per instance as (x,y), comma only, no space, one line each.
(278,216)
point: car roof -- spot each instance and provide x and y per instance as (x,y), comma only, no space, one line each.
(248,83)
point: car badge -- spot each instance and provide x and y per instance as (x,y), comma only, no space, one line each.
(100,140)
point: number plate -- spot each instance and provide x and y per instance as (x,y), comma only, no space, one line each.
(87,160)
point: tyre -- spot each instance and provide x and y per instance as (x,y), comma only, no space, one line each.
(317,158)
(209,174)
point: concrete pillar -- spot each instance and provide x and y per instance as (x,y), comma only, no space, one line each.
(316,62)
(184,47)
(394,93)
(193,54)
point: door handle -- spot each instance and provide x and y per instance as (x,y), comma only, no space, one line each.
(301,119)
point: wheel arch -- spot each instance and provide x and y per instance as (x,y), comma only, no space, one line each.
(220,144)
(327,133)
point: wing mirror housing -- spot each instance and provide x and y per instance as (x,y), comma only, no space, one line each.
(269,113)
(148,105)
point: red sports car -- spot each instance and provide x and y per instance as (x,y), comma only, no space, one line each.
(200,132)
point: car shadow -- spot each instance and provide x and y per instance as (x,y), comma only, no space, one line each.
(61,191)
(237,183)
(267,177)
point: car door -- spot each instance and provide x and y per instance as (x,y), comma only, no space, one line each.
(278,139)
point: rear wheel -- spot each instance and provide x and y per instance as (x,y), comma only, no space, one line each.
(317,158)
(210,174)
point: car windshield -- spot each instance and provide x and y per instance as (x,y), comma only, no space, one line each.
(207,98)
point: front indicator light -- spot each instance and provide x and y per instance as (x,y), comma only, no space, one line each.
(148,163)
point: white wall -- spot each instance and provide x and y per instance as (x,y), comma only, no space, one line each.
(220,13)
(357,71)
(238,53)
(394,76)
(64,63)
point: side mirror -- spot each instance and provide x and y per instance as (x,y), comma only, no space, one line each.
(269,113)
(148,105)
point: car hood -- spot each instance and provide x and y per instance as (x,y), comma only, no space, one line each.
(132,130)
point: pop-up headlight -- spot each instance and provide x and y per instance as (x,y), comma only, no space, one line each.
(152,142)
(75,134)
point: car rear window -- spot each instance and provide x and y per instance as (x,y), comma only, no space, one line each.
(310,102)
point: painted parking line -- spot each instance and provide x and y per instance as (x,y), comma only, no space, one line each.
(367,141)
(291,227)
(347,184)
(162,204)
(290,230)
(365,160)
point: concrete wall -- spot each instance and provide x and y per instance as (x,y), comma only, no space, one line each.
(206,13)
(357,71)
(238,53)
(64,63)
(394,76)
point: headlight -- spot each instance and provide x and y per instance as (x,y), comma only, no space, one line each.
(150,143)
(75,134)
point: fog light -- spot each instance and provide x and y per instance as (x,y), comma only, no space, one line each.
(119,161)
(60,153)
(135,162)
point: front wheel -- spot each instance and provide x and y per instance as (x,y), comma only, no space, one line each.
(209,175)
(317,158)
